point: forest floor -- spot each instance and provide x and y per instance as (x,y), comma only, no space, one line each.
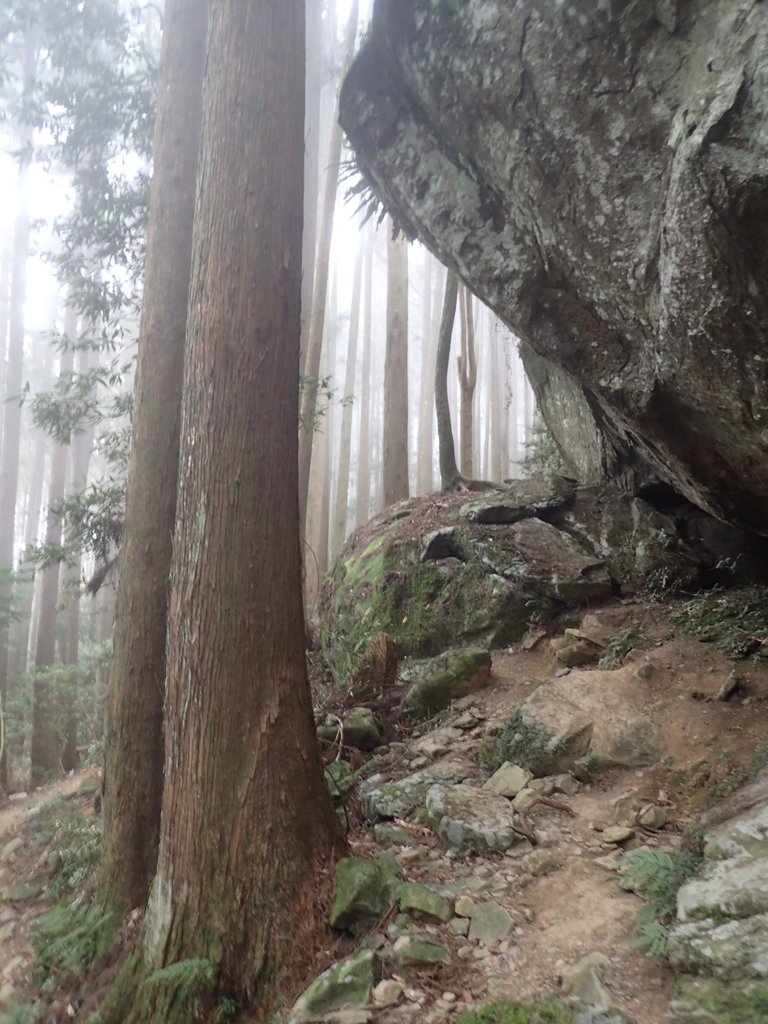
(573,909)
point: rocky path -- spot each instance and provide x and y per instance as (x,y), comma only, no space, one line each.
(21,863)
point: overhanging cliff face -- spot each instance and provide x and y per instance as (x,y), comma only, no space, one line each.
(597,172)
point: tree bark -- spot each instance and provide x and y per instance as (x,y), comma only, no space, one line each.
(467,366)
(248,833)
(396,373)
(345,440)
(134,741)
(363,495)
(9,480)
(449,471)
(47,699)
(311,366)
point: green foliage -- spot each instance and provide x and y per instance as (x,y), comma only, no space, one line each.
(325,397)
(186,980)
(18,1015)
(617,648)
(226,1010)
(736,621)
(517,1013)
(74,843)
(658,876)
(69,938)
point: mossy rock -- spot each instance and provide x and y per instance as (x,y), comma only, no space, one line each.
(438,681)
(712,1001)
(433,575)
(347,983)
(365,891)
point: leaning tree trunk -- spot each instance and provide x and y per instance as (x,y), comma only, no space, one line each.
(396,373)
(449,471)
(134,737)
(248,833)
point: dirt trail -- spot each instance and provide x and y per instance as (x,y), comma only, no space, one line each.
(20,864)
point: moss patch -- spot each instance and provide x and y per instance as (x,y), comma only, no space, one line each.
(517,1013)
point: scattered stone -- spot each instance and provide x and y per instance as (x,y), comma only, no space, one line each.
(21,893)
(11,847)
(524,800)
(365,891)
(403,797)
(388,992)
(584,980)
(471,820)
(577,653)
(435,682)
(347,983)
(359,729)
(508,780)
(339,778)
(652,816)
(392,835)
(490,924)
(610,862)
(421,902)
(565,783)
(616,834)
(436,743)
(464,906)
(414,950)
(459,925)
(733,683)
(539,862)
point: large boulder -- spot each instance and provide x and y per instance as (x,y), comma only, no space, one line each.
(456,570)
(721,935)
(619,227)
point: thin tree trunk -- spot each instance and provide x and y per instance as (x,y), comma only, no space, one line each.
(46,743)
(363,496)
(9,479)
(395,469)
(311,368)
(449,471)
(134,740)
(248,833)
(427,382)
(467,367)
(81,457)
(345,440)
(496,391)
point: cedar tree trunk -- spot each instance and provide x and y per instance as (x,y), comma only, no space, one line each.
(134,738)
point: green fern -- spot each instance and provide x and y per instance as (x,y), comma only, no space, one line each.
(69,937)
(186,975)
(658,876)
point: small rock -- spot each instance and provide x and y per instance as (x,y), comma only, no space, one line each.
(481,953)
(490,923)
(652,816)
(508,780)
(421,902)
(349,981)
(414,950)
(733,683)
(610,862)
(464,906)
(615,834)
(539,862)
(584,980)
(387,992)
(565,783)
(524,800)
(459,925)
(11,847)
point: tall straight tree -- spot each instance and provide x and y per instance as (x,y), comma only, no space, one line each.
(363,489)
(46,742)
(311,365)
(345,444)
(9,478)
(467,366)
(134,739)
(248,832)
(396,372)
